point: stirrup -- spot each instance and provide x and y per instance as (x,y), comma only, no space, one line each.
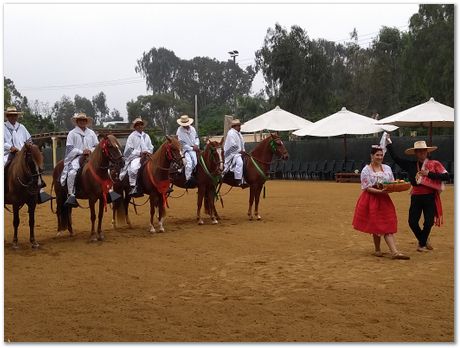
(135,193)
(112,196)
(44,197)
(71,202)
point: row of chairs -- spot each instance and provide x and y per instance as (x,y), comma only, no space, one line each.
(326,169)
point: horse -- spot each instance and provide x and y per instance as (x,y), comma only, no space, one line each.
(154,181)
(23,183)
(256,166)
(208,176)
(92,184)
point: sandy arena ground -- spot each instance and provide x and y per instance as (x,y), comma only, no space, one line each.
(300,274)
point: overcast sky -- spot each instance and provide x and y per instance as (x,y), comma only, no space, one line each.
(51,50)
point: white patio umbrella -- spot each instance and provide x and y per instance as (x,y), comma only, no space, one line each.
(429,114)
(343,122)
(276,119)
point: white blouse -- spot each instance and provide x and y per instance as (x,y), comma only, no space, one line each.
(370,178)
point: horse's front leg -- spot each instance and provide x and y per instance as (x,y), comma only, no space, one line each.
(126,207)
(161,214)
(258,189)
(251,201)
(15,225)
(100,233)
(31,207)
(198,204)
(92,207)
(212,207)
(152,214)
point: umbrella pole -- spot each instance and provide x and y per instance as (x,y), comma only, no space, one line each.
(345,145)
(431,133)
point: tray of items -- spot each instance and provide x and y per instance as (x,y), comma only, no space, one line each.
(396,186)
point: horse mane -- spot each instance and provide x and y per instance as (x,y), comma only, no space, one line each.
(161,150)
(113,140)
(18,167)
(96,155)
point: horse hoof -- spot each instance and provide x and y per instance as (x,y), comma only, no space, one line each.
(101,238)
(35,245)
(15,246)
(215,222)
(259,217)
(59,233)
(93,239)
(161,230)
(200,222)
(152,230)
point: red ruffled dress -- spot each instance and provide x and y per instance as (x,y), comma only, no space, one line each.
(375,213)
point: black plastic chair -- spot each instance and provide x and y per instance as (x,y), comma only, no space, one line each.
(328,168)
(320,169)
(338,168)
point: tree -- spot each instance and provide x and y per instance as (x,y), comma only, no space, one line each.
(159,110)
(100,107)
(85,105)
(63,112)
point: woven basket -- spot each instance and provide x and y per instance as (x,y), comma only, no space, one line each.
(397,187)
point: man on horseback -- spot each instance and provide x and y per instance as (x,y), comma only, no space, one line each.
(190,142)
(81,141)
(233,151)
(138,146)
(15,135)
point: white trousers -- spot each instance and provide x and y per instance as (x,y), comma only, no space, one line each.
(69,173)
(238,160)
(133,169)
(190,163)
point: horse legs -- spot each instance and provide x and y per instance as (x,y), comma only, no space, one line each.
(198,204)
(31,207)
(126,207)
(251,201)
(212,206)
(15,225)
(100,233)
(152,214)
(258,189)
(161,214)
(93,236)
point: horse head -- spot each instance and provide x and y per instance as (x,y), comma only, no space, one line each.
(27,168)
(173,153)
(214,155)
(277,146)
(111,151)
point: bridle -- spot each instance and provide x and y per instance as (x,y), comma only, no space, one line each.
(32,187)
(113,160)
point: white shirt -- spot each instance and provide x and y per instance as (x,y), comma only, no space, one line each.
(369,178)
(16,136)
(77,141)
(234,143)
(187,138)
(136,144)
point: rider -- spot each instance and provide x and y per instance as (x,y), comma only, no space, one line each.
(15,135)
(138,145)
(233,151)
(81,141)
(190,142)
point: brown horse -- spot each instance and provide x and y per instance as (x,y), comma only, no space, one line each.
(93,184)
(23,185)
(154,181)
(256,166)
(208,176)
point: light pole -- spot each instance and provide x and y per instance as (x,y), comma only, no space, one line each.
(234,54)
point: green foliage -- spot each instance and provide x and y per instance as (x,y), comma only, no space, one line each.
(160,110)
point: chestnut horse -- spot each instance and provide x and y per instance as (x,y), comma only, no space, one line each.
(23,183)
(154,181)
(256,167)
(93,184)
(208,176)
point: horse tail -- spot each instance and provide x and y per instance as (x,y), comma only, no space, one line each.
(119,208)
(63,213)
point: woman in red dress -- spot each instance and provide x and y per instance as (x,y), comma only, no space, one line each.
(374,212)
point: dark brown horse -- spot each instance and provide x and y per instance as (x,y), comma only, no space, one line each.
(154,181)
(256,166)
(23,185)
(93,184)
(208,176)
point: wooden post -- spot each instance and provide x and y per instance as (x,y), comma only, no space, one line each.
(54,145)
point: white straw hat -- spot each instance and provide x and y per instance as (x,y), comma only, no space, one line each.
(420,145)
(184,120)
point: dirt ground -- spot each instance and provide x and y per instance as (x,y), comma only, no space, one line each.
(300,274)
